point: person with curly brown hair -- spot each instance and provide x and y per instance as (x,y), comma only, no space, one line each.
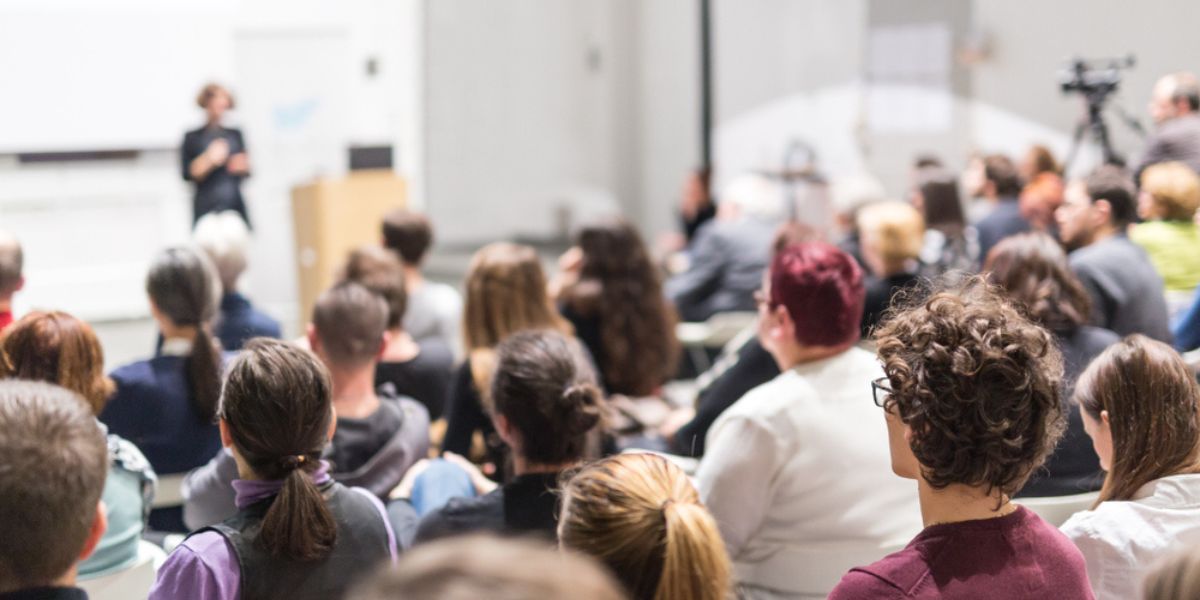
(972,404)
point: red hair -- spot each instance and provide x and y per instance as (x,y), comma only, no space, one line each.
(822,289)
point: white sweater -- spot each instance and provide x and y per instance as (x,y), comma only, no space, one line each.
(798,475)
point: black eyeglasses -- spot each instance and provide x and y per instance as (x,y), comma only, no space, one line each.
(882,390)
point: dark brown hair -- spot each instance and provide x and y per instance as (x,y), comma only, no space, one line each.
(212,89)
(1113,184)
(545,388)
(182,283)
(278,409)
(350,322)
(977,383)
(1151,397)
(618,285)
(476,566)
(1002,173)
(56,348)
(941,205)
(1032,269)
(408,234)
(55,463)
(379,271)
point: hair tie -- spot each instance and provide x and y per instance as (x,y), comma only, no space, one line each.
(295,461)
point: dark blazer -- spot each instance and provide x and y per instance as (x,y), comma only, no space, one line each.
(1005,220)
(220,189)
(152,408)
(238,321)
(1074,467)
(879,294)
(753,367)
(1126,290)
(728,259)
(526,505)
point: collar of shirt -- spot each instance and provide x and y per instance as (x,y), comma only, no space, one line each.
(249,491)
(175,347)
(1175,491)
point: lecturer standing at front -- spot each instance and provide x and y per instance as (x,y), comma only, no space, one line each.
(214,158)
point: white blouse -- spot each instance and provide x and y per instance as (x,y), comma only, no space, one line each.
(798,475)
(1122,541)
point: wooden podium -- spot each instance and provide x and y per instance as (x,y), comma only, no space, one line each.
(331,217)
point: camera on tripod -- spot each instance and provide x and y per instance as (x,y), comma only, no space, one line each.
(1094,78)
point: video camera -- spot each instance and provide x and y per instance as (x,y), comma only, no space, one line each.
(1094,78)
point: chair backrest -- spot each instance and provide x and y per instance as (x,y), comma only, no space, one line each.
(1055,510)
(133,583)
(169,491)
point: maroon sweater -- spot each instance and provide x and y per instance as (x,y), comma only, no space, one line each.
(1015,556)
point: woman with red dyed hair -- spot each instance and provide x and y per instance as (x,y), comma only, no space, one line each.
(797,472)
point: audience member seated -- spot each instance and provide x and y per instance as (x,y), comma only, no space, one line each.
(297,534)
(1174,103)
(1140,402)
(420,370)
(472,567)
(640,515)
(60,349)
(848,195)
(611,293)
(545,406)
(972,404)
(1167,204)
(378,435)
(1001,188)
(167,405)
(1126,291)
(892,234)
(729,253)
(1177,578)
(506,293)
(798,468)
(1043,191)
(742,366)
(434,309)
(55,461)
(11,277)
(1032,271)
(949,243)
(225,238)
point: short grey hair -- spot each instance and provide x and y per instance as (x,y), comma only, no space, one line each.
(756,195)
(225,238)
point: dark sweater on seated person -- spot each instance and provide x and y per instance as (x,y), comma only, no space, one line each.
(238,321)
(424,378)
(526,505)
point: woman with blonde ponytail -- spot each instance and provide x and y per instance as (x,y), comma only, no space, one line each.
(297,535)
(641,516)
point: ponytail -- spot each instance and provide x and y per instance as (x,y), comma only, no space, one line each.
(204,374)
(641,516)
(299,525)
(694,555)
(278,410)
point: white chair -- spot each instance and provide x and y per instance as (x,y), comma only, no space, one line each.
(717,331)
(169,492)
(133,583)
(1055,510)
